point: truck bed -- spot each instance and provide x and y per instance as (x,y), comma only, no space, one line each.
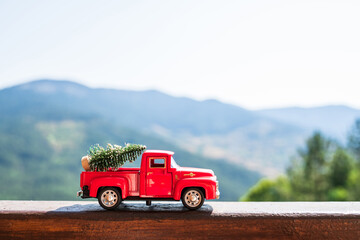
(125,169)
(131,174)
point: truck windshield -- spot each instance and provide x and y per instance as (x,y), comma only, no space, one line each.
(173,163)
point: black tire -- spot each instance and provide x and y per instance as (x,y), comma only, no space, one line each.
(109,198)
(192,198)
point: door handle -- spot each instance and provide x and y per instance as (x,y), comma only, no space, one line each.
(149,173)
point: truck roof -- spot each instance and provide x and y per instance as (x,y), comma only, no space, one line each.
(159,152)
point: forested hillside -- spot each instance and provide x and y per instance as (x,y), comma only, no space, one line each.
(47,126)
(43,137)
(209,128)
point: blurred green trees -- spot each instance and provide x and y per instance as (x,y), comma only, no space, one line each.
(354,140)
(323,170)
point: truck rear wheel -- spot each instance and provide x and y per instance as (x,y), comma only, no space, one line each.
(109,198)
(193,198)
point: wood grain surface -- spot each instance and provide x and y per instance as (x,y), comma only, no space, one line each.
(166,220)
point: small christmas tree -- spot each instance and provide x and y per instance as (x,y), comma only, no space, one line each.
(113,156)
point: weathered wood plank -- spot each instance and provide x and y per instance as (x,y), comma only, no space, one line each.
(164,220)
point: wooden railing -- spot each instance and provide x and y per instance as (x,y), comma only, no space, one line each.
(170,220)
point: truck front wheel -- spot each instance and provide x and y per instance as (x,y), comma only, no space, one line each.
(109,198)
(192,198)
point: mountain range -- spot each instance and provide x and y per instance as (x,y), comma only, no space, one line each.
(335,121)
(46,126)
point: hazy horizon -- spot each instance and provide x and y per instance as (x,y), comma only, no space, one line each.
(180,96)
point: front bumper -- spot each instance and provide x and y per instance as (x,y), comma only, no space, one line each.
(217,194)
(217,190)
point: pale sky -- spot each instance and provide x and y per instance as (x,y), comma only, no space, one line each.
(255,54)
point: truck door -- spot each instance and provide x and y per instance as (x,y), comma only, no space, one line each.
(158,179)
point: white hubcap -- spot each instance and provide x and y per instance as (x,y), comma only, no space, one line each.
(193,198)
(109,198)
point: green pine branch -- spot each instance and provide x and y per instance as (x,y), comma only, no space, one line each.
(101,159)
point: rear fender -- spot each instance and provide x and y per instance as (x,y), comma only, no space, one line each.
(119,182)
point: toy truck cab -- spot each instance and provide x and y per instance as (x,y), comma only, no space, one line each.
(158,178)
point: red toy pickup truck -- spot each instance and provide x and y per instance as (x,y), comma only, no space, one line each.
(158,178)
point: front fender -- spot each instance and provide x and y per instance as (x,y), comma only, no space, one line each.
(207,184)
(119,182)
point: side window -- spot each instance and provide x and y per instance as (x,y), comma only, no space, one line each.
(157,162)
